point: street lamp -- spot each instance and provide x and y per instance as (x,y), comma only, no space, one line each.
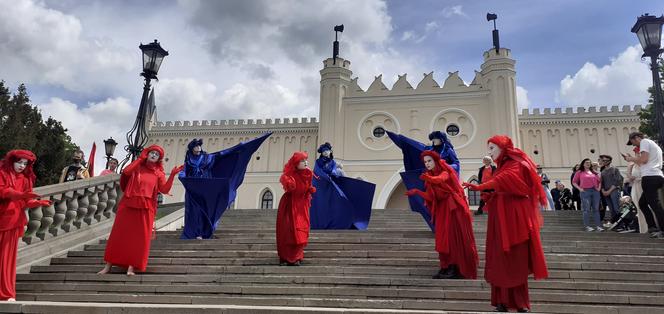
(137,137)
(649,30)
(109,147)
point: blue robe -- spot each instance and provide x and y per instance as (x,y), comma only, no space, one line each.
(211,182)
(414,167)
(339,202)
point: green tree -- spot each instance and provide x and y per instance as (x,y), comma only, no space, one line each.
(22,127)
(647,115)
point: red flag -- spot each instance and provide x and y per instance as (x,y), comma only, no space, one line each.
(91,160)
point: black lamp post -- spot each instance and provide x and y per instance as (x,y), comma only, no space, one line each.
(137,137)
(109,147)
(649,30)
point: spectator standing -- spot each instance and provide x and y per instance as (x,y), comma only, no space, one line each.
(587,181)
(611,182)
(545,186)
(576,194)
(76,170)
(485,174)
(111,167)
(646,218)
(562,197)
(652,179)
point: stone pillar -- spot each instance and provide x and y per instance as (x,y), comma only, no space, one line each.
(334,82)
(498,74)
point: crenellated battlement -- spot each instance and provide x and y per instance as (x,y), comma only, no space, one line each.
(427,85)
(238,123)
(569,112)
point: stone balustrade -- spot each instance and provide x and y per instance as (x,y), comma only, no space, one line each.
(76,203)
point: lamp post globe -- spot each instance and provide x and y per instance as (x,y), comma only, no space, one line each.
(153,55)
(648,29)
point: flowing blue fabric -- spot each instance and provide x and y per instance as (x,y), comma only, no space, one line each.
(414,167)
(211,182)
(339,202)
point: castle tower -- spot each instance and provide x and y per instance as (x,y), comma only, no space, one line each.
(498,74)
(334,83)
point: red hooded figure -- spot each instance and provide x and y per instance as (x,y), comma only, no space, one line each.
(16,180)
(450,215)
(128,246)
(293,213)
(513,245)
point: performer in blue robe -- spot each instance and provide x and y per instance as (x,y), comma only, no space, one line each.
(339,202)
(414,166)
(211,181)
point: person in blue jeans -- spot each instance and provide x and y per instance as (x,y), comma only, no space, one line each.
(611,184)
(588,183)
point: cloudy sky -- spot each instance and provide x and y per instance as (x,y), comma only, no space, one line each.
(259,58)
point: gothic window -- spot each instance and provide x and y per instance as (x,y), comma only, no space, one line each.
(267,200)
(474,196)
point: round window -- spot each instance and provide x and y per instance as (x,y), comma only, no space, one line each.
(378,131)
(452,130)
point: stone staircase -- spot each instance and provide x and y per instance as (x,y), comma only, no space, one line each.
(386,269)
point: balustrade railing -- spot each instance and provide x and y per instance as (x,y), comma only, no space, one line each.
(75,205)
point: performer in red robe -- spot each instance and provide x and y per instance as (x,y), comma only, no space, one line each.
(128,245)
(513,245)
(293,213)
(450,215)
(16,180)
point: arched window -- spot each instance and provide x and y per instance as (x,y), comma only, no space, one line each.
(474,196)
(267,200)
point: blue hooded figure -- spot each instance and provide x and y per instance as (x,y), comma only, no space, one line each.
(211,181)
(339,202)
(441,145)
(414,166)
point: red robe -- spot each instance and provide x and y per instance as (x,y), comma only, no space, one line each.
(293,215)
(12,223)
(129,242)
(453,229)
(513,244)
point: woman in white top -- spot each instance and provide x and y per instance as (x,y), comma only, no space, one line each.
(634,177)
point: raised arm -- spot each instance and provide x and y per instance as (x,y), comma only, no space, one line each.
(166,185)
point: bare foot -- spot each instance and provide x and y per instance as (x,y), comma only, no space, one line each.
(106,269)
(11,300)
(199,238)
(130,271)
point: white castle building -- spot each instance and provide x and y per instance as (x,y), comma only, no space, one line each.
(355,121)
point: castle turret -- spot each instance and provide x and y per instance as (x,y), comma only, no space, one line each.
(334,81)
(498,74)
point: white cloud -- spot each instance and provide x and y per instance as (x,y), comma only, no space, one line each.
(624,81)
(95,122)
(522,101)
(407,35)
(46,46)
(454,10)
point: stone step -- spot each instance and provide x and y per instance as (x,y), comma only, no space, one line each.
(306,301)
(424,271)
(396,262)
(331,280)
(193,256)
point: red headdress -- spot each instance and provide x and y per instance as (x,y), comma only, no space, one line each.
(159,165)
(7,163)
(291,166)
(440,166)
(509,151)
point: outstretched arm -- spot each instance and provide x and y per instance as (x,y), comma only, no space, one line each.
(420,193)
(166,185)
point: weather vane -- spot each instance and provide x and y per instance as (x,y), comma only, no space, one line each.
(335,48)
(496,39)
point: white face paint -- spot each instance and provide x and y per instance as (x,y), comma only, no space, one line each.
(437,141)
(494,151)
(327,153)
(153,156)
(429,163)
(303,164)
(20,165)
(197,150)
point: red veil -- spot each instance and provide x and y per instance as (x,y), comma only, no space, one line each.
(7,163)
